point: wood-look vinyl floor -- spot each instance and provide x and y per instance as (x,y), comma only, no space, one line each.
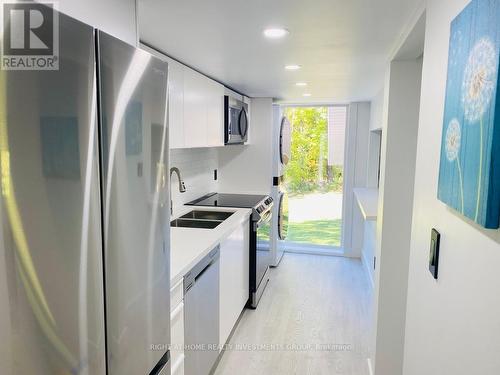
(312,319)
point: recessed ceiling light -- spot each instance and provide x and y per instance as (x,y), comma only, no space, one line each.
(301,84)
(275,32)
(292,67)
(306,94)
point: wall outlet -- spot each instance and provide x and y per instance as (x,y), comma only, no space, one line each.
(434,253)
(139,169)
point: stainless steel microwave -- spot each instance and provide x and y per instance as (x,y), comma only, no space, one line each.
(235,121)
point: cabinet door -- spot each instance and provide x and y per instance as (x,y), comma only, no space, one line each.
(176,103)
(177,328)
(215,113)
(195,110)
(234,279)
(177,338)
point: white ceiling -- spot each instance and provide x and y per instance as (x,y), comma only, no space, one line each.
(342,45)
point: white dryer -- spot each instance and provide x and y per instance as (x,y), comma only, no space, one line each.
(282,141)
(281,156)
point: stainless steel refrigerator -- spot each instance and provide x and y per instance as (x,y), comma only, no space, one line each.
(84,234)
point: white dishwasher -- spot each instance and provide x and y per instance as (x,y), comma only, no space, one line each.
(201,315)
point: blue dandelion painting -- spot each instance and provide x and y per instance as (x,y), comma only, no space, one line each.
(469,174)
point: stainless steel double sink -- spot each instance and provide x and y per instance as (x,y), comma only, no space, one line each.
(201,219)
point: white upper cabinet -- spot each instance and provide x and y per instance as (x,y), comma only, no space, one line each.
(176,103)
(196,109)
(215,114)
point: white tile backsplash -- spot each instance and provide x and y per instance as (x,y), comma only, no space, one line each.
(197,170)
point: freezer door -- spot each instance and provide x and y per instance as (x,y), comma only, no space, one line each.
(135,183)
(51,286)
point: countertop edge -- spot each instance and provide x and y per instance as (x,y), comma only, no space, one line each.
(242,215)
(367,199)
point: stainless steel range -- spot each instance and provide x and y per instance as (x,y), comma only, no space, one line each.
(260,225)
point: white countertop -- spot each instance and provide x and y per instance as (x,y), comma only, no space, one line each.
(368,202)
(189,245)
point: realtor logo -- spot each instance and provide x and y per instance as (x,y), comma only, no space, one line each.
(30,38)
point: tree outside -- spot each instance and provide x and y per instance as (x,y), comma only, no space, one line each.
(314,187)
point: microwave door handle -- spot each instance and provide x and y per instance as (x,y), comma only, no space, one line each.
(243,119)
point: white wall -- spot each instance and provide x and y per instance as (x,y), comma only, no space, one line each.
(399,139)
(116,17)
(197,170)
(248,169)
(337,123)
(452,324)
(372,173)
(377,108)
(356,157)
(376,121)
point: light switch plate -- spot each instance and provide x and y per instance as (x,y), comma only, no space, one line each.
(434,253)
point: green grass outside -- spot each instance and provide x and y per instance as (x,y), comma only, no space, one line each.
(316,232)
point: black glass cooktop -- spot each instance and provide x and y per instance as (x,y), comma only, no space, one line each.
(228,200)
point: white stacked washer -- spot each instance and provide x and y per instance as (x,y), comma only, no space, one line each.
(281,156)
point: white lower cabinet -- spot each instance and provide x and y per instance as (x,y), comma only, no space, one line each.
(178,367)
(234,279)
(177,329)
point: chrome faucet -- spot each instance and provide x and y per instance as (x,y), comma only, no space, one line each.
(182,186)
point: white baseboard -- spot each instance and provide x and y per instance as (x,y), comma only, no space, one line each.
(368,269)
(301,248)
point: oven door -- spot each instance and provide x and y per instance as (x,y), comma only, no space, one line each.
(260,258)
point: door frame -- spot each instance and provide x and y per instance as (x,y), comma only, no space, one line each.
(296,247)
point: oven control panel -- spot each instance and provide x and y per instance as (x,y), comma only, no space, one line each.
(264,206)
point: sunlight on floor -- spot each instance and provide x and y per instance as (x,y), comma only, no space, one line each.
(312,319)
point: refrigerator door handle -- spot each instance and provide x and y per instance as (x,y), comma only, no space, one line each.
(164,187)
(161,184)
